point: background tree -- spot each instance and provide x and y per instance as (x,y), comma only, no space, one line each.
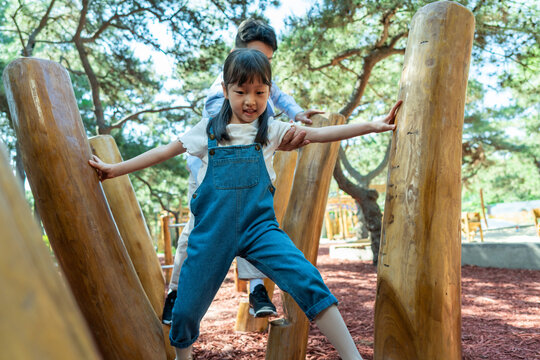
(101,43)
(347,57)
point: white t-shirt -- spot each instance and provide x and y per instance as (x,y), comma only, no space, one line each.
(195,141)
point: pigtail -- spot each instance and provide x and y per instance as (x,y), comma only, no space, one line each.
(219,122)
(262,132)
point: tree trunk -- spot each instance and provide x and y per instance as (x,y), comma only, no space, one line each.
(367,201)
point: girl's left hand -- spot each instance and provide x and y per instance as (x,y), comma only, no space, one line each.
(388,123)
(391,117)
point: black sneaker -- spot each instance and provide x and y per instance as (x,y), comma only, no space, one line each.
(260,304)
(167,308)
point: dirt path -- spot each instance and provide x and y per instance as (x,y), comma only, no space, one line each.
(500,314)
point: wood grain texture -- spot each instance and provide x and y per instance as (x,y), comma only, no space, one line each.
(303,223)
(75,214)
(417,312)
(165,220)
(40,319)
(131,224)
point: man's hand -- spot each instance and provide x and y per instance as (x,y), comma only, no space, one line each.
(293,139)
(304,116)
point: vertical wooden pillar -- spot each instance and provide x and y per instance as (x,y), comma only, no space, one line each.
(328,225)
(417,310)
(75,213)
(303,223)
(40,319)
(284,165)
(131,224)
(167,249)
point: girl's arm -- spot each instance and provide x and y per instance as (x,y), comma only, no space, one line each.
(341,132)
(151,157)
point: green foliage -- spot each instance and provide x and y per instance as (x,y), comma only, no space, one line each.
(108,48)
(330,47)
(323,58)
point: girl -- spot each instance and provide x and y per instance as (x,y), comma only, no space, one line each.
(233,206)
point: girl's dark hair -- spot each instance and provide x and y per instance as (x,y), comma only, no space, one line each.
(242,66)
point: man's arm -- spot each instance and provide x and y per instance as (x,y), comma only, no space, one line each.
(287,104)
(214,99)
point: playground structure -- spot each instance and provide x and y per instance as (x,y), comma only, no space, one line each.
(470,224)
(340,218)
(417,308)
(417,313)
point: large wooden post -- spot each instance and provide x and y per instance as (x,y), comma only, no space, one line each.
(417,310)
(75,213)
(40,319)
(130,221)
(284,165)
(303,223)
(131,224)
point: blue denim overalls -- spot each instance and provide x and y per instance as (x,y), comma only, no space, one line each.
(234,215)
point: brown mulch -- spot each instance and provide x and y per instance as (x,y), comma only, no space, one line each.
(500,314)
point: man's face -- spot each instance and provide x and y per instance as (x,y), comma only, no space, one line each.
(262,47)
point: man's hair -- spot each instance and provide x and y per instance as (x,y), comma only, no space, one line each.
(255,30)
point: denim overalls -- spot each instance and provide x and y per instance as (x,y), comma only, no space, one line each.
(234,215)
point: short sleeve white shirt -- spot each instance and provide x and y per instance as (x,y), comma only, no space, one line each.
(195,141)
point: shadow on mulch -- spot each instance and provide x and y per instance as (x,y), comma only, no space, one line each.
(500,316)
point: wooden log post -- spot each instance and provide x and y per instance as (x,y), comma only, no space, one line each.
(40,319)
(167,245)
(75,214)
(284,165)
(131,224)
(303,223)
(417,310)
(328,225)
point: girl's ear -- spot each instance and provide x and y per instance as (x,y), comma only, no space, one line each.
(224,90)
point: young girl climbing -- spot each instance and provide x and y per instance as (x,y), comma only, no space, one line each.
(233,206)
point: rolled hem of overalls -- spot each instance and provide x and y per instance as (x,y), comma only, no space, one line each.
(184,344)
(316,309)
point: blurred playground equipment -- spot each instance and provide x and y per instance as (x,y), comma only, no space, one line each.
(340,219)
(470,224)
(536,215)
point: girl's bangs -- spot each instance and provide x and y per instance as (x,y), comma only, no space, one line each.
(249,72)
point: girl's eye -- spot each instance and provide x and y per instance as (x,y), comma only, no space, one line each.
(239,92)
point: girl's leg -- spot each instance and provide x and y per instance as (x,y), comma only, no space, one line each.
(331,324)
(207,263)
(183,354)
(277,256)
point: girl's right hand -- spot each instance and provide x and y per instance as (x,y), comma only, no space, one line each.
(104,170)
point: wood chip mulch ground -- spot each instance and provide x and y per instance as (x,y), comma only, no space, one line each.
(500,314)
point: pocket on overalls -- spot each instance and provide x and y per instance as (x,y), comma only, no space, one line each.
(236,173)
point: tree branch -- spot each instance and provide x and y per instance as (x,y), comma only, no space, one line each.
(156,195)
(120,123)
(29,48)
(337,59)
